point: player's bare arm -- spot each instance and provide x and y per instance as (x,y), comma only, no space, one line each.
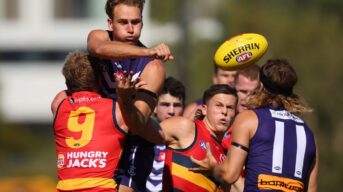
(57,100)
(178,132)
(242,131)
(146,98)
(312,183)
(136,111)
(100,45)
(153,131)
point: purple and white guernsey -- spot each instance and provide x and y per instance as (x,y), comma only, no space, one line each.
(108,68)
(137,154)
(281,152)
(154,182)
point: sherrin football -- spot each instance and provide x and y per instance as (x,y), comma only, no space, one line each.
(240,51)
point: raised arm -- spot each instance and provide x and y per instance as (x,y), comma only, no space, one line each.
(100,45)
(136,111)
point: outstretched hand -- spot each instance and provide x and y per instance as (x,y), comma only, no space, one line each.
(161,51)
(126,87)
(207,165)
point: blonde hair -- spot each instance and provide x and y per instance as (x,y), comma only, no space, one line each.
(81,72)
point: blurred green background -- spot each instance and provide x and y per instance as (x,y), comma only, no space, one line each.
(307,33)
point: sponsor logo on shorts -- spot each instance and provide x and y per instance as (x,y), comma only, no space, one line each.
(270,182)
(243,57)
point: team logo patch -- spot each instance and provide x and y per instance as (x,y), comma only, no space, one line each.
(132,170)
(71,100)
(227,135)
(118,65)
(202,145)
(60,160)
(161,156)
(119,75)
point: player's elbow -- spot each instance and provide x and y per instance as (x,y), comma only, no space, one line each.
(94,43)
(228,176)
(161,139)
(96,50)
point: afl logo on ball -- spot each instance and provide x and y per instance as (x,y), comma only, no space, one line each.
(243,57)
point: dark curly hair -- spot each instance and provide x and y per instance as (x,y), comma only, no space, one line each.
(175,88)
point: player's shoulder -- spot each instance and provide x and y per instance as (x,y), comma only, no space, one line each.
(247,113)
(245,118)
(178,127)
(57,100)
(178,121)
(99,33)
(155,65)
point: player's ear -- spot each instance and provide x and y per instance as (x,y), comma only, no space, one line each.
(155,111)
(204,109)
(261,87)
(214,79)
(110,24)
(142,21)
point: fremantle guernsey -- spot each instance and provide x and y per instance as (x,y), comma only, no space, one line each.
(88,143)
(126,174)
(109,67)
(280,153)
(176,176)
(154,181)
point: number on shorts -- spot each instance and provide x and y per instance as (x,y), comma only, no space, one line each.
(279,147)
(86,127)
